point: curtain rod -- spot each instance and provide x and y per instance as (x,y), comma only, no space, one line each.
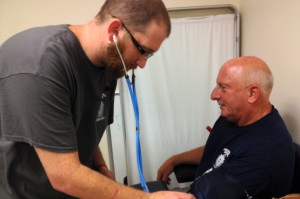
(221,6)
(230,6)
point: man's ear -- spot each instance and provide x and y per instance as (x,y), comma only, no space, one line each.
(113,28)
(253,93)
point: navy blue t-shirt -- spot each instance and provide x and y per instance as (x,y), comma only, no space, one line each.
(259,157)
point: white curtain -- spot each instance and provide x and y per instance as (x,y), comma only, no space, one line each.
(174,92)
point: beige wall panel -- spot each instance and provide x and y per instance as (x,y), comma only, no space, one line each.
(271,30)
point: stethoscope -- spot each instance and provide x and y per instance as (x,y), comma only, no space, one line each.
(132,91)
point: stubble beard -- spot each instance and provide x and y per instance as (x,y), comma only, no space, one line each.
(112,60)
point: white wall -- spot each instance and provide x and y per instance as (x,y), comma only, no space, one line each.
(271,29)
(17,15)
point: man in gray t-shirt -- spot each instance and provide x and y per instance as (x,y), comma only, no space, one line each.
(44,101)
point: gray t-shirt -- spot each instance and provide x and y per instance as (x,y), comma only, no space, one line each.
(51,97)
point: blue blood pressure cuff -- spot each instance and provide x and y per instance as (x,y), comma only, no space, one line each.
(218,184)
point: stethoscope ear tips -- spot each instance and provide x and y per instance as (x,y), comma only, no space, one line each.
(115,37)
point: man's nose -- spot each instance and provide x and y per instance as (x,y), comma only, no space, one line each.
(215,94)
(141,62)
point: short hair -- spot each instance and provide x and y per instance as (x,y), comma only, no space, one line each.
(262,77)
(136,14)
(257,71)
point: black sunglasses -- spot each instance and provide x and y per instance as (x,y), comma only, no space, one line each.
(145,53)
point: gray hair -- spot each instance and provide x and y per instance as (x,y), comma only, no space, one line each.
(261,76)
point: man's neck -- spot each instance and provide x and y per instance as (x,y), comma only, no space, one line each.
(255,114)
(87,36)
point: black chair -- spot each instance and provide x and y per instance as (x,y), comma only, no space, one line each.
(296,179)
(153,186)
(185,172)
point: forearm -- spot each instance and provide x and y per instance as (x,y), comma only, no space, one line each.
(88,184)
(66,174)
(189,157)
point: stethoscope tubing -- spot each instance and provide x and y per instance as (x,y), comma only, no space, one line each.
(135,106)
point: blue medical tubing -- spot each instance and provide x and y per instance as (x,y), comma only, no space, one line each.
(136,114)
(135,106)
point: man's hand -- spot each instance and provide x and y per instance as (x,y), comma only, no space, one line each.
(165,170)
(171,195)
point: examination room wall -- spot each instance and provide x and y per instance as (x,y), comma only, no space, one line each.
(269,29)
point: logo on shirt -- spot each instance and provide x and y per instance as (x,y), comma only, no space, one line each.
(222,157)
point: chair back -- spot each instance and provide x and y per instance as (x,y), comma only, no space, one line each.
(296,178)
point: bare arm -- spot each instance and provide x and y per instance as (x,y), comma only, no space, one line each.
(189,157)
(67,175)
